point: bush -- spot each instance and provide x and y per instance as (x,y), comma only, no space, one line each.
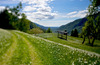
(35,31)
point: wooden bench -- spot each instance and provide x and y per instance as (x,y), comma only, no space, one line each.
(62,33)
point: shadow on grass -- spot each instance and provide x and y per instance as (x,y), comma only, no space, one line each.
(95,45)
(62,38)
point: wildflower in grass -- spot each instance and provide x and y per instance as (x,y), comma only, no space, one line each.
(85,62)
(73,63)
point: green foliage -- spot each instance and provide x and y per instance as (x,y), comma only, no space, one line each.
(74,33)
(15,10)
(9,19)
(94,7)
(49,30)
(92,26)
(32,25)
(5,19)
(24,24)
(35,31)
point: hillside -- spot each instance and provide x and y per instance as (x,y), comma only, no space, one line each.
(33,25)
(43,27)
(77,24)
(19,48)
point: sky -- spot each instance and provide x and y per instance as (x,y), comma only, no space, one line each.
(50,13)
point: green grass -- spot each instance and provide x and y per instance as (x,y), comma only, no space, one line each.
(72,41)
(31,50)
(21,54)
(51,53)
(5,41)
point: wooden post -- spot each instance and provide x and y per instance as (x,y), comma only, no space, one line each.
(62,35)
(58,34)
(66,36)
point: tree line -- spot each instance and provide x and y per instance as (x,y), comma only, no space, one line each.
(11,18)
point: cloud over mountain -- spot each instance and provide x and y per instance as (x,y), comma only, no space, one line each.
(77,14)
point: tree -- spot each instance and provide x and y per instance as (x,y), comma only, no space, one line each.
(9,17)
(35,31)
(87,29)
(15,15)
(5,18)
(24,24)
(92,25)
(74,33)
(98,26)
(49,30)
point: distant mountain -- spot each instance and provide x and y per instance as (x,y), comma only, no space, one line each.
(77,24)
(43,27)
(54,29)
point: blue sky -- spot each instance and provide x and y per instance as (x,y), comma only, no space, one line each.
(51,13)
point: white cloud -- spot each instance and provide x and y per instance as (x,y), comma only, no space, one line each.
(2,8)
(29,8)
(38,10)
(44,9)
(40,16)
(77,14)
(71,13)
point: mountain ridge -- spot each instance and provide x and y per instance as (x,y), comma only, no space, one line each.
(76,24)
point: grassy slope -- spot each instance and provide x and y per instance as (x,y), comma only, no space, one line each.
(30,50)
(72,41)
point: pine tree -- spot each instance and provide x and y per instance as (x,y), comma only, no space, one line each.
(49,30)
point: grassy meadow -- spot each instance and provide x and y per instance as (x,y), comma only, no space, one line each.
(72,41)
(19,48)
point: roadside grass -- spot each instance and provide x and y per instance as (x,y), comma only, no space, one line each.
(72,41)
(53,54)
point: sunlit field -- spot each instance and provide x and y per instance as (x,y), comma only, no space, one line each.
(19,48)
(72,41)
